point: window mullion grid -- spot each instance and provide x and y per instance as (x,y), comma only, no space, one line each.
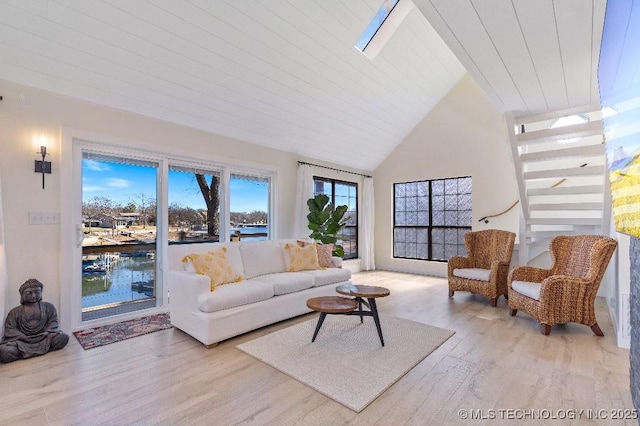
(430,226)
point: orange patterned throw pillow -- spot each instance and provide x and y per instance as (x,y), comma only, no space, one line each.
(215,265)
(302,258)
(325,253)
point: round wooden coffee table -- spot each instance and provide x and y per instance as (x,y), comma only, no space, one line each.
(330,305)
(361,292)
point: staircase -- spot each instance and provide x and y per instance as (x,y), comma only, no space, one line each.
(562,177)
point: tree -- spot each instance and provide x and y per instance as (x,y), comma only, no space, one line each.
(129,208)
(96,207)
(180,215)
(211,194)
(145,206)
(257,217)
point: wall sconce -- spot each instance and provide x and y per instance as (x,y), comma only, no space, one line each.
(42,166)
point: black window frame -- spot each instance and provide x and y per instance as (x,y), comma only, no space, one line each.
(352,223)
(419,232)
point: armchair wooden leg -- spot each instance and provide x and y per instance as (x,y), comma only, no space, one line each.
(596,330)
(545,329)
(494,302)
(514,312)
(451,293)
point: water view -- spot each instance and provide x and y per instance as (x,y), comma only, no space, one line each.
(117,277)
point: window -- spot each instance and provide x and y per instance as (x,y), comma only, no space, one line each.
(249,206)
(194,204)
(195,197)
(342,193)
(431,218)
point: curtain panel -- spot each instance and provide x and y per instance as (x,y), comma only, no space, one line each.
(366,246)
(4,278)
(304,191)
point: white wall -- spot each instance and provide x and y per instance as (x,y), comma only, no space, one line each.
(464,135)
(33,251)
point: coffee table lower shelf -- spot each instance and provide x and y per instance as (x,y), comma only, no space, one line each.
(343,306)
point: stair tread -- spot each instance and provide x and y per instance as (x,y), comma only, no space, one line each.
(563,190)
(565,221)
(566,172)
(567,206)
(549,234)
(577,152)
(548,135)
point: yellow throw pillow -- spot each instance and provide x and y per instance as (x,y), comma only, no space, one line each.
(215,265)
(302,258)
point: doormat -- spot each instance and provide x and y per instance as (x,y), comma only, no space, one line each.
(100,336)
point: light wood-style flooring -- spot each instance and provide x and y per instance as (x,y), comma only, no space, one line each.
(493,362)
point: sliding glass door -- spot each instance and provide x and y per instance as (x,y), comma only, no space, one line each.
(119,215)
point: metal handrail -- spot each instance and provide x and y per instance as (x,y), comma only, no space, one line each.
(485,219)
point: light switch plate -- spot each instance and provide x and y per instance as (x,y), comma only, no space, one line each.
(44,218)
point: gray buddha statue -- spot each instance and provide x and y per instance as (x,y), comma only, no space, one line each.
(31,329)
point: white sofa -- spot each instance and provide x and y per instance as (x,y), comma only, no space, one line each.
(266,294)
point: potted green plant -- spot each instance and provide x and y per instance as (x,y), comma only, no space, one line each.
(325,222)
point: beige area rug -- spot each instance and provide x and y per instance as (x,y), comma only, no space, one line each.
(347,363)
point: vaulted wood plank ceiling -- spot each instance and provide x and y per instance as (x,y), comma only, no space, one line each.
(285,74)
(530,56)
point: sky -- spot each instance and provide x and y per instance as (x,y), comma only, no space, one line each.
(619,79)
(123,183)
(377,21)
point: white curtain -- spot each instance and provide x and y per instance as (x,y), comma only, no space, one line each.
(4,278)
(304,191)
(366,248)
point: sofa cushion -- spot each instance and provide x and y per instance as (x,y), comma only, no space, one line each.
(261,257)
(230,296)
(472,273)
(301,258)
(215,265)
(288,282)
(329,276)
(527,288)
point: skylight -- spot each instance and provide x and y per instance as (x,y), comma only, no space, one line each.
(375,24)
(382,26)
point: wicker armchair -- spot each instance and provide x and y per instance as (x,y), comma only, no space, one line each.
(567,291)
(486,268)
